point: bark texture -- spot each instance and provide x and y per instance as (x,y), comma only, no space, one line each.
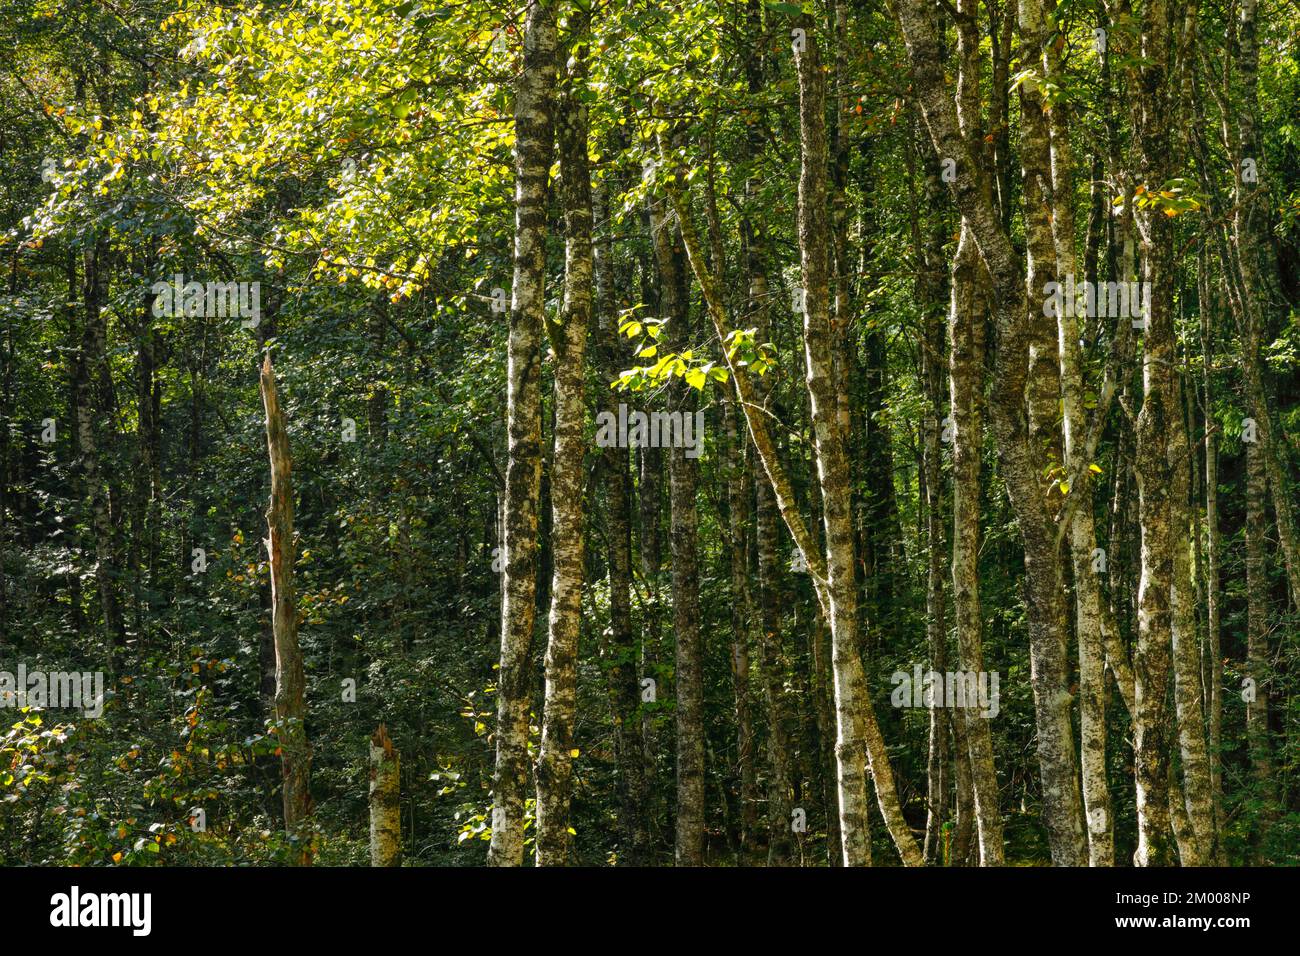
(568,471)
(854,715)
(534,119)
(290,681)
(385,801)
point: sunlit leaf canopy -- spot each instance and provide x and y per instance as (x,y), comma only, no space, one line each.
(371,140)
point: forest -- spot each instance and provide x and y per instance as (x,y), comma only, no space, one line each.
(615,433)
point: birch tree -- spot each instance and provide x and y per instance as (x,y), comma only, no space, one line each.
(534,131)
(568,341)
(290,680)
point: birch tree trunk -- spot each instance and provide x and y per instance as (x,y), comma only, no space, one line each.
(534,119)
(965,371)
(963,839)
(929,289)
(1124,557)
(290,681)
(1213,650)
(689,675)
(848,687)
(772,671)
(385,801)
(683,477)
(831,457)
(1258,671)
(649,513)
(555,762)
(855,719)
(620,651)
(1193,752)
(966,375)
(1152,720)
(1089,627)
(742,625)
(1043,570)
(767,521)
(650,481)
